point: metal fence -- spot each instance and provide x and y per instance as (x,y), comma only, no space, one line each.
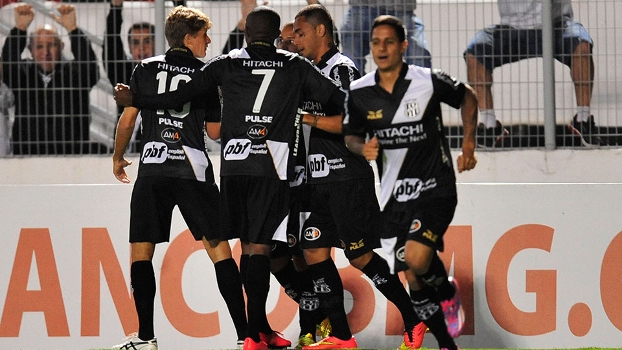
(533,98)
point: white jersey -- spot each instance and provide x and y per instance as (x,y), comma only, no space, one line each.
(527,14)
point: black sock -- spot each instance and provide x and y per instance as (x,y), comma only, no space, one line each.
(257,288)
(392,288)
(428,307)
(230,287)
(436,277)
(309,305)
(288,279)
(144,289)
(329,288)
(243,267)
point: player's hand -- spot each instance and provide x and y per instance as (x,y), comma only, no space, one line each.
(371,149)
(123,95)
(466,160)
(67,17)
(118,169)
(24,15)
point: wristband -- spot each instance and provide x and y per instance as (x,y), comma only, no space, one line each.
(315,119)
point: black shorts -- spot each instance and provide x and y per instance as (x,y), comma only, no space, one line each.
(153,200)
(424,221)
(297,216)
(343,214)
(255,209)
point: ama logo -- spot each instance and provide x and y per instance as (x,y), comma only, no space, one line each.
(170,135)
(257,132)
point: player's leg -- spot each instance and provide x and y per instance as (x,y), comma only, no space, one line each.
(143,283)
(229,283)
(435,298)
(357,217)
(424,297)
(150,223)
(199,204)
(143,286)
(267,205)
(257,286)
(329,290)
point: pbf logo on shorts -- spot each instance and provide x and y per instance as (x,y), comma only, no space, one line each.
(408,189)
(257,132)
(237,149)
(414,226)
(154,153)
(312,233)
(318,165)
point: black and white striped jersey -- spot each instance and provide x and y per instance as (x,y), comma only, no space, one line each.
(173,141)
(329,160)
(262,90)
(416,158)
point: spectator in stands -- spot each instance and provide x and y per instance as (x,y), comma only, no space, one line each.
(7,100)
(52,94)
(519,36)
(236,36)
(119,67)
(140,39)
(356,29)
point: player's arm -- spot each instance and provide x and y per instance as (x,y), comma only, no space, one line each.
(330,123)
(355,129)
(460,95)
(125,128)
(368,149)
(213,130)
(213,112)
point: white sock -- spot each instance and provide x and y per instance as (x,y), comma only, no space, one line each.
(583,113)
(488,117)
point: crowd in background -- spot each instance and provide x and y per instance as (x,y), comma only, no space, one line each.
(44,100)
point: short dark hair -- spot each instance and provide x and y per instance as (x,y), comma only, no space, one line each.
(140,25)
(263,23)
(317,14)
(392,21)
(184,20)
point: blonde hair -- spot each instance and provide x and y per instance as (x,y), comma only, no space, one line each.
(184,20)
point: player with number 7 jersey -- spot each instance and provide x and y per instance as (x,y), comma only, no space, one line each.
(262,88)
